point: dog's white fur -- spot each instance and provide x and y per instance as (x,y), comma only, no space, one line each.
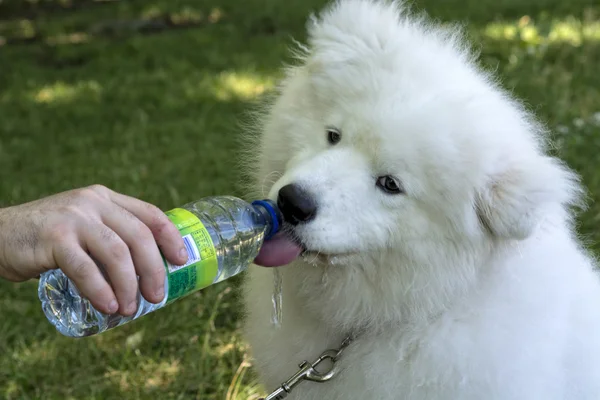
(471,284)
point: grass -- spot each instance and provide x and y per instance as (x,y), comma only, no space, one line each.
(143,96)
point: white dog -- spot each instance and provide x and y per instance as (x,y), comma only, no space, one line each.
(437,232)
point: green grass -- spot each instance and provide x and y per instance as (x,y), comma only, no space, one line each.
(84,101)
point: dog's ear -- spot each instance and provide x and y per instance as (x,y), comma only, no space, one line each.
(517,199)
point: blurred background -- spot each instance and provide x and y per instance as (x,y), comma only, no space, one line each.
(144,96)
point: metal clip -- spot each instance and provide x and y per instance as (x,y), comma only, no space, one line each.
(307,372)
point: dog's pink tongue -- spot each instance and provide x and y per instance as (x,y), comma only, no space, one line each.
(278,251)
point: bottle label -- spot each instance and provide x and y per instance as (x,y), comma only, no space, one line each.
(202,266)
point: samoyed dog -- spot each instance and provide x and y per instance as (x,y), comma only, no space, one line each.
(424,220)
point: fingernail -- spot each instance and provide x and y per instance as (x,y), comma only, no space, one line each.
(160,292)
(132,307)
(183,254)
(113,306)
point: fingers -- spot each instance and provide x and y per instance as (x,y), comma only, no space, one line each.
(112,252)
(83,271)
(146,257)
(164,231)
(122,234)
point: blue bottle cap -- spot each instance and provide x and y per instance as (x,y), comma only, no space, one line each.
(274,213)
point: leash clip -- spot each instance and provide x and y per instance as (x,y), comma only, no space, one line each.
(308,372)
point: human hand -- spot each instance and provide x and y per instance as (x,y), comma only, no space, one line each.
(67,229)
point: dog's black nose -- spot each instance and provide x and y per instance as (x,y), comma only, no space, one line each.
(296,204)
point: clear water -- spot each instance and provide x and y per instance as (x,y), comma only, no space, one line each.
(237,229)
(277,298)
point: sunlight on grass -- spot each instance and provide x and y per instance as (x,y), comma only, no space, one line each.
(19,29)
(151,12)
(25,358)
(569,30)
(162,375)
(134,341)
(34,354)
(11,389)
(149,375)
(216,14)
(186,15)
(236,382)
(241,85)
(25,28)
(240,388)
(61,92)
(68,38)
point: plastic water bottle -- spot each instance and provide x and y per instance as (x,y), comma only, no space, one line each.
(222,235)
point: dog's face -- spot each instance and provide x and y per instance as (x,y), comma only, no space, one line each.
(390,147)
(371,172)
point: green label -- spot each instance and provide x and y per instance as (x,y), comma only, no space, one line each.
(202,267)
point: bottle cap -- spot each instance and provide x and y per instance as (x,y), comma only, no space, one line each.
(274,213)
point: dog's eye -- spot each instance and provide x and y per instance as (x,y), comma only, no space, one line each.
(333,136)
(389,185)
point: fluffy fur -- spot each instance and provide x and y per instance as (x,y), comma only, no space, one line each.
(471,284)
